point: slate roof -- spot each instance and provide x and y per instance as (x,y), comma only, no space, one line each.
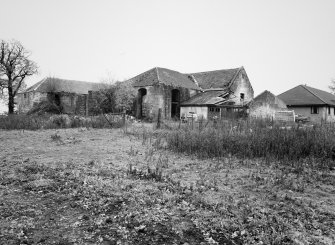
(305,95)
(51,84)
(216,79)
(209,97)
(165,76)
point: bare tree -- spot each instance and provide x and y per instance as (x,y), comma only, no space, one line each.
(15,66)
(332,86)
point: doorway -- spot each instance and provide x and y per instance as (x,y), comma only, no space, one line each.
(175,103)
(141,113)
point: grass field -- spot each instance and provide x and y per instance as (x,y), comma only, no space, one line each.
(103,186)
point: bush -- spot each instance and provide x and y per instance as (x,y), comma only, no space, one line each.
(45,107)
(47,121)
(28,122)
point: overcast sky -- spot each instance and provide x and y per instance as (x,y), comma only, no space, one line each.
(281,44)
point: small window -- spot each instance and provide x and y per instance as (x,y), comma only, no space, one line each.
(25,95)
(329,110)
(242,96)
(314,110)
(211,109)
(217,109)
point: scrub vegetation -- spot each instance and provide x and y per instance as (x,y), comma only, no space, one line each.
(176,185)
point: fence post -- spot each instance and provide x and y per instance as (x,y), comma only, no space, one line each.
(159,118)
(86,109)
(124,118)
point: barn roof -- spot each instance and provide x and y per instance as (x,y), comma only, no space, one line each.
(165,76)
(209,97)
(51,84)
(305,95)
(216,79)
(268,98)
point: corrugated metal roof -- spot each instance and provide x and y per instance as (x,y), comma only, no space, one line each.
(305,95)
(51,84)
(210,97)
(165,76)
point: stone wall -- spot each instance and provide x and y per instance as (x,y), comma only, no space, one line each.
(70,102)
(240,86)
(159,97)
(26,101)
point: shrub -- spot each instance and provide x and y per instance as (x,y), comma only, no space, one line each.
(45,107)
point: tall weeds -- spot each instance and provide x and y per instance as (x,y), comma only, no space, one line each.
(252,139)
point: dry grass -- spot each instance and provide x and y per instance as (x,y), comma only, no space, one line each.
(79,186)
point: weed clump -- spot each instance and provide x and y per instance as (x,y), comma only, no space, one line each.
(245,139)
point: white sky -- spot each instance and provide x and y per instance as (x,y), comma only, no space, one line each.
(280,43)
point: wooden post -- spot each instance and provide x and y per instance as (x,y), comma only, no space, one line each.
(124,117)
(86,109)
(159,118)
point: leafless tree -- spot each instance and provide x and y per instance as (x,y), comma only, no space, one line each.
(332,86)
(15,66)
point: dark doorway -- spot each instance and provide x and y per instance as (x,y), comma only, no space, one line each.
(141,113)
(175,102)
(54,98)
(57,99)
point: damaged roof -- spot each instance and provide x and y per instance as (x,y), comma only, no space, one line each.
(209,97)
(165,76)
(216,79)
(305,95)
(51,84)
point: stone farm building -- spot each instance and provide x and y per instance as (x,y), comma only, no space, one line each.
(205,94)
(71,95)
(315,104)
(164,89)
(225,93)
(265,105)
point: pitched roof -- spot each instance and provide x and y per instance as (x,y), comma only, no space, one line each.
(216,79)
(268,98)
(209,97)
(165,76)
(51,84)
(305,95)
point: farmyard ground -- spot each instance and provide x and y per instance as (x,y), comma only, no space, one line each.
(79,186)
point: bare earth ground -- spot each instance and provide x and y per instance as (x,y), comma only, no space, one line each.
(82,186)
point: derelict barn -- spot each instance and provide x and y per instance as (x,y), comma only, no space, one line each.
(204,93)
(225,93)
(72,96)
(162,89)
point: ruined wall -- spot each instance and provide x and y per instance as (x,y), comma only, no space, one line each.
(80,108)
(241,85)
(68,102)
(26,101)
(159,97)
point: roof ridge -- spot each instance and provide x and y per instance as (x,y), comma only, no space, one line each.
(237,68)
(305,87)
